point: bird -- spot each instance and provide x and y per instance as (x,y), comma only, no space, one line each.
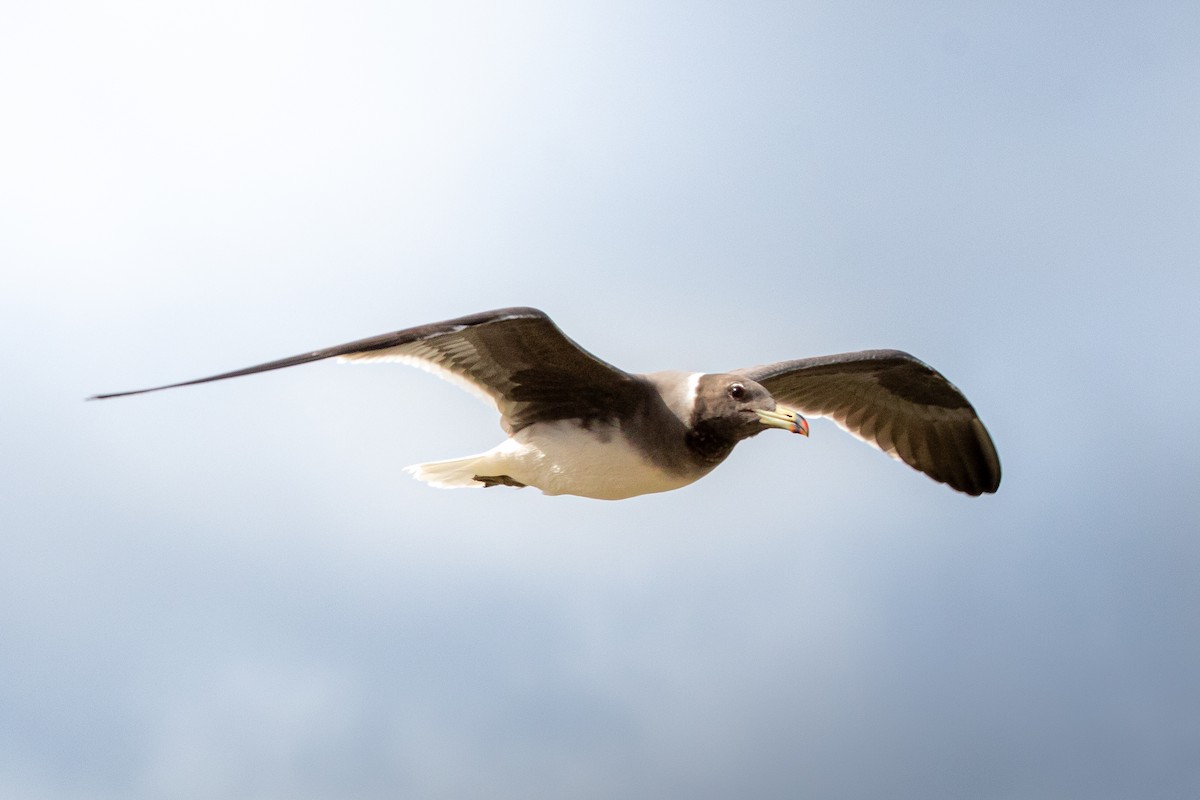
(577,425)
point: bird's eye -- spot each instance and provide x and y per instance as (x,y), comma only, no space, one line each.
(737,391)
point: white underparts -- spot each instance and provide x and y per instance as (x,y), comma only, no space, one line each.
(560,457)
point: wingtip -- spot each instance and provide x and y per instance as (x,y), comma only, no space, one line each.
(111,395)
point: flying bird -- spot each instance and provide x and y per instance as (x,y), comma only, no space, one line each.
(577,425)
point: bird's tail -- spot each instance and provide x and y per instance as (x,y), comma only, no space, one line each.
(455,473)
(496,467)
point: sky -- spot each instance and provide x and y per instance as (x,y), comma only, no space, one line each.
(234,589)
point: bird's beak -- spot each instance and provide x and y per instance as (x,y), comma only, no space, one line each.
(783,417)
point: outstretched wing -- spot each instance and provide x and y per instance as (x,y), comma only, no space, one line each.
(515,357)
(896,403)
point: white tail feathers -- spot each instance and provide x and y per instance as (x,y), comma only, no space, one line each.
(456,473)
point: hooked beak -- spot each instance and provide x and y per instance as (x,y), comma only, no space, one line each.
(783,417)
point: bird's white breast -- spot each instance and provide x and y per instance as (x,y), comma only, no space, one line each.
(562,457)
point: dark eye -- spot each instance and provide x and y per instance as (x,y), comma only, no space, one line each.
(737,391)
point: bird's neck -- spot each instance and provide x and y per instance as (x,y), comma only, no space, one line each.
(709,443)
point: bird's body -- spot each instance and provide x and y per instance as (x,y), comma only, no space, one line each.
(644,451)
(577,425)
(562,457)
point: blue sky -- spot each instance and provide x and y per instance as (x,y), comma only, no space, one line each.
(234,590)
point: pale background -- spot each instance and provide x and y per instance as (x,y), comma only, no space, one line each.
(234,591)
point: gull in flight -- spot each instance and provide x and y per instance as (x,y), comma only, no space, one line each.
(577,425)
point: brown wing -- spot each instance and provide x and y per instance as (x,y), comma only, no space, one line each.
(516,357)
(897,403)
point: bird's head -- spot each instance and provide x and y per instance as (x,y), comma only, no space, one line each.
(737,407)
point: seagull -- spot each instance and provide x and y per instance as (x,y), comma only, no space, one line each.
(577,425)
